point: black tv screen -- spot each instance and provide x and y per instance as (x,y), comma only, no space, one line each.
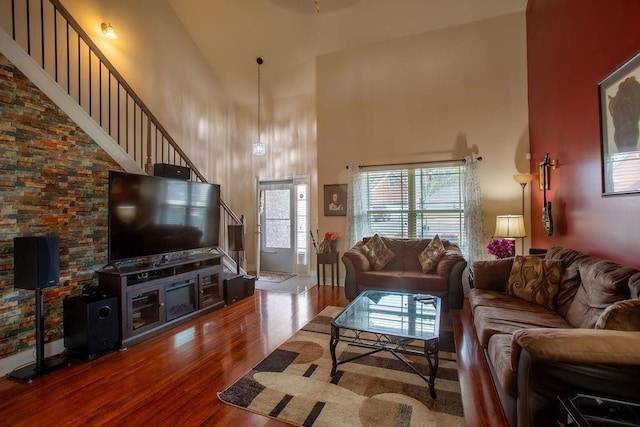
(149,215)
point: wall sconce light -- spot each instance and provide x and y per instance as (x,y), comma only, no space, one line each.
(544,166)
(511,227)
(108,30)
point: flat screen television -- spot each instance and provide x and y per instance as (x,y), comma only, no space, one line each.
(150,215)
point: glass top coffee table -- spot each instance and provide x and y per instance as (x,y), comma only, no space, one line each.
(393,322)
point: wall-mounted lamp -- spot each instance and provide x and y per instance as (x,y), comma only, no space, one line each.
(511,227)
(108,30)
(544,166)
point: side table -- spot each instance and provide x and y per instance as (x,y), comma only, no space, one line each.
(583,410)
(329,258)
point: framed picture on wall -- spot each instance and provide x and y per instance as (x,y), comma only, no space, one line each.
(335,200)
(619,96)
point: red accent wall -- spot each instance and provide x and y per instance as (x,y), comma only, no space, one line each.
(571,46)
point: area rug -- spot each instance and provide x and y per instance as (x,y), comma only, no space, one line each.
(293,384)
(274,276)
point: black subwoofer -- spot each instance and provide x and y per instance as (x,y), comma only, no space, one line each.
(91,326)
(36,262)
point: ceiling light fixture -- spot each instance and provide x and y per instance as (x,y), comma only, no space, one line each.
(108,30)
(259,148)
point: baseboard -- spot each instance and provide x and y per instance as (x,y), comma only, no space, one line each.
(17,360)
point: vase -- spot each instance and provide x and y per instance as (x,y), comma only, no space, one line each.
(333,245)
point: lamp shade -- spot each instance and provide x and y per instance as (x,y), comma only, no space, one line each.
(523,178)
(108,30)
(510,226)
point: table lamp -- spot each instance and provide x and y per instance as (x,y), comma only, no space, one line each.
(510,227)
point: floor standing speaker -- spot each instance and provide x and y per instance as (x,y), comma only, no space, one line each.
(36,262)
(91,326)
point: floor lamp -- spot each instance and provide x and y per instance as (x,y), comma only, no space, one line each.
(523,179)
(510,227)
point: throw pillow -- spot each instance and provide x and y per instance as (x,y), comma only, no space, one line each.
(535,279)
(430,256)
(622,316)
(377,252)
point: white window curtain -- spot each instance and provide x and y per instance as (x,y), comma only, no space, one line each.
(475,250)
(357,218)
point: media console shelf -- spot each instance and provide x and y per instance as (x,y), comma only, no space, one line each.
(154,297)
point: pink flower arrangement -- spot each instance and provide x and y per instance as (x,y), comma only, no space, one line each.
(332,235)
(501,248)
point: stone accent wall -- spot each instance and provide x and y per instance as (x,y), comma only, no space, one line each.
(53,180)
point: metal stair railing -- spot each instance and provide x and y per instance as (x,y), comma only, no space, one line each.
(48,33)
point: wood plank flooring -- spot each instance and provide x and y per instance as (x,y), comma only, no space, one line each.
(172,379)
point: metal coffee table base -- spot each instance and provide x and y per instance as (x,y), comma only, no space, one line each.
(392,344)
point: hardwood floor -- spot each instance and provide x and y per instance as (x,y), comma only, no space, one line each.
(172,379)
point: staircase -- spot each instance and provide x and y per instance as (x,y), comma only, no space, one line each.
(42,39)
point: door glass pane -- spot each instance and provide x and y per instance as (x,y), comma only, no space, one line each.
(277,210)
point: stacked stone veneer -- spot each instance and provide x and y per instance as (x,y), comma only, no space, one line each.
(53,180)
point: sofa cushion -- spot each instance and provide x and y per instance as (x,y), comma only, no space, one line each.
(535,280)
(634,285)
(492,275)
(603,283)
(570,280)
(377,252)
(407,251)
(451,257)
(497,320)
(621,315)
(430,256)
(499,352)
(487,298)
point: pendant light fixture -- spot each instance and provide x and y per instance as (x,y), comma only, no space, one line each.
(259,148)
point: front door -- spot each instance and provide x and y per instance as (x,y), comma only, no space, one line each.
(277,242)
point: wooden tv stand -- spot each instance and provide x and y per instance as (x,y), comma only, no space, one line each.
(155,297)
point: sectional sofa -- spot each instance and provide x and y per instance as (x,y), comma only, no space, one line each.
(558,325)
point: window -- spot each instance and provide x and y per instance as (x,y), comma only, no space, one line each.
(416,203)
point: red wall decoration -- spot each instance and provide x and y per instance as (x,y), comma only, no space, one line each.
(571,46)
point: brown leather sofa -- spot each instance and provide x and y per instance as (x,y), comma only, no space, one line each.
(589,342)
(403,273)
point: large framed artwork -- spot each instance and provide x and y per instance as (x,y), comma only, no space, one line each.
(619,95)
(335,200)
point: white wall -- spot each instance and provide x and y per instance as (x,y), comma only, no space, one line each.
(439,95)
(155,55)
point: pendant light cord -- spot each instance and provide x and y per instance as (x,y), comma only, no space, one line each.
(259,61)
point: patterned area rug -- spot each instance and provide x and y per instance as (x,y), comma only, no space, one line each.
(274,276)
(293,384)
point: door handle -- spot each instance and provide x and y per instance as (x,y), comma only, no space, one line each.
(269,252)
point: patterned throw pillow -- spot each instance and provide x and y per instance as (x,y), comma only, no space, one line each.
(430,256)
(536,280)
(377,252)
(622,316)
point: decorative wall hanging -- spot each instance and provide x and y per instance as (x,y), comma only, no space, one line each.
(335,200)
(619,95)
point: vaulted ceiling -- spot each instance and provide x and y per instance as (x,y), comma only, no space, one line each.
(290,34)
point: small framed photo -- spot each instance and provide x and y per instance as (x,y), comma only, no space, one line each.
(619,95)
(335,200)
